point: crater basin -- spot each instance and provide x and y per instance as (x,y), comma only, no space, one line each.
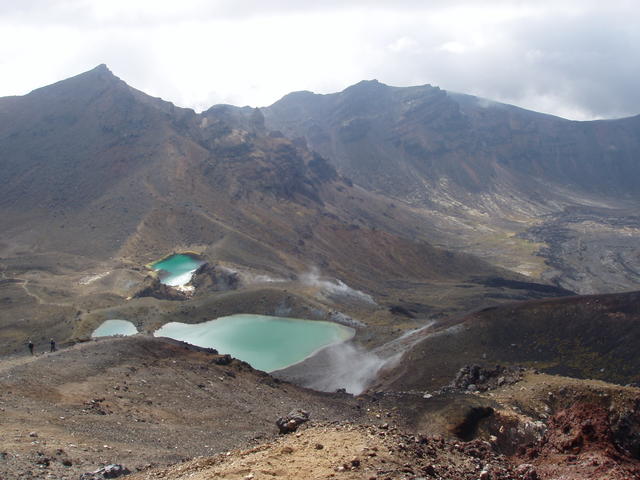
(265,342)
(177,270)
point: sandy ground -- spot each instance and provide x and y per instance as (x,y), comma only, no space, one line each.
(339,451)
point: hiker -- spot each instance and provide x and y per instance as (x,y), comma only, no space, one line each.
(53,345)
(30,346)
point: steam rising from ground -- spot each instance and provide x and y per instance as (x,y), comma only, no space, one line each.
(249,277)
(350,367)
(353,368)
(335,287)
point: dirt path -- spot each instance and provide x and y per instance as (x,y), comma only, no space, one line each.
(39,299)
(26,290)
(9,362)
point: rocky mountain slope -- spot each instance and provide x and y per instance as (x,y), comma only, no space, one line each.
(138,401)
(586,337)
(488,173)
(399,139)
(164,410)
(99,179)
(417,216)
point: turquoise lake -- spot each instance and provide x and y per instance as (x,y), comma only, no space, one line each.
(177,270)
(266,343)
(115,327)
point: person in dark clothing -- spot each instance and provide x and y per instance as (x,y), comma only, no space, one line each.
(53,345)
(30,346)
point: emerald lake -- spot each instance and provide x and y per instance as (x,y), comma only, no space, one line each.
(115,327)
(177,270)
(266,343)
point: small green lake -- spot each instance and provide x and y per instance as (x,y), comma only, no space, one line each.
(115,327)
(266,343)
(177,269)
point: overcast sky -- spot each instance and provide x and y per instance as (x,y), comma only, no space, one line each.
(579,59)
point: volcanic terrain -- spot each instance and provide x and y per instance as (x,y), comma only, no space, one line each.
(479,251)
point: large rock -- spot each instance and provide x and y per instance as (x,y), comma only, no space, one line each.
(291,422)
(475,377)
(114,470)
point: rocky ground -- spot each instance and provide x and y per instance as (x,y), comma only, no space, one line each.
(140,402)
(345,451)
(169,411)
(48,295)
(542,427)
(590,250)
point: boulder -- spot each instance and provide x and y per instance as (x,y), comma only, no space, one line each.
(291,422)
(526,471)
(477,378)
(114,470)
(223,359)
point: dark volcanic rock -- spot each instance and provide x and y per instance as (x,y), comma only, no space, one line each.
(533,288)
(589,243)
(476,377)
(466,429)
(291,422)
(400,310)
(214,278)
(152,287)
(585,337)
(225,359)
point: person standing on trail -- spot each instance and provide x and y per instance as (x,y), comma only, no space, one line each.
(30,346)
(53,345)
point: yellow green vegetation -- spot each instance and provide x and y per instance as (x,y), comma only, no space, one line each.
(504,249)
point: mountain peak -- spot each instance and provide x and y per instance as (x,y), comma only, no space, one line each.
(98,77)
(373,82)
(101,71)
(367,85)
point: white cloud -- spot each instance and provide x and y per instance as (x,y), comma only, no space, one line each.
(404,45)
(573,58)
(454,47)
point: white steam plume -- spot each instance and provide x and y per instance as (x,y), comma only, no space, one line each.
(350,367)
(336,287)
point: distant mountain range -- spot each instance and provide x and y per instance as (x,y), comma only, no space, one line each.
(408,142)
(455,235)
(425,201)
(488,174)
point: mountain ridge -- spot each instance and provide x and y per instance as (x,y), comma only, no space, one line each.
(323,114)
(484,172)
(442,255)
(113,180)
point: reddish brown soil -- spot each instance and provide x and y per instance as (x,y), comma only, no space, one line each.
(579,444)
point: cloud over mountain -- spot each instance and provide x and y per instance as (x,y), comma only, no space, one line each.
(570,58)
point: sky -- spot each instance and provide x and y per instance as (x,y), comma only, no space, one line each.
(579,59)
